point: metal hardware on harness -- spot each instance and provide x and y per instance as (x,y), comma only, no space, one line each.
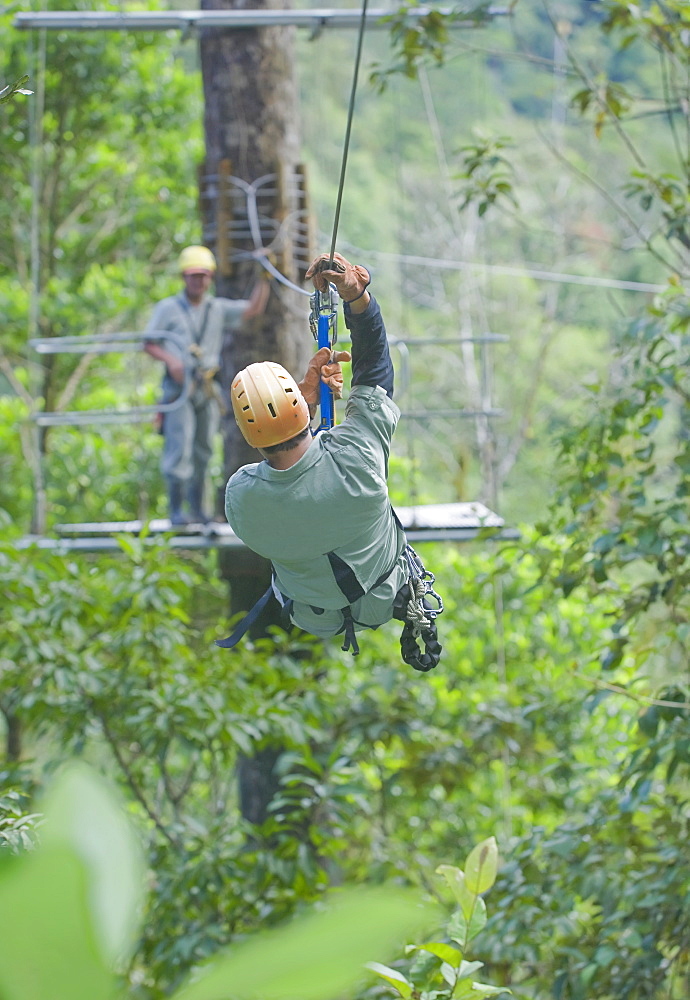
(419,617)
(422,585)
(323,321)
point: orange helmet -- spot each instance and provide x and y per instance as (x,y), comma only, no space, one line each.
(267,403)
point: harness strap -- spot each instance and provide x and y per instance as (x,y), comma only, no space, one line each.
(196,332)
(350,635)
(345,578)
(246,623)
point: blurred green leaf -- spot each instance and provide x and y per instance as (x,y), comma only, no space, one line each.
(446,952)
(84,815)
(481,866)
(48,950)
(317,957)
(462,931)
(396,979)
(455,878)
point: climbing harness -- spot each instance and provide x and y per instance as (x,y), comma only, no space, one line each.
(417,604)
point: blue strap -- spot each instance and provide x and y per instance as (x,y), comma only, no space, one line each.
(246,622)
(326,393)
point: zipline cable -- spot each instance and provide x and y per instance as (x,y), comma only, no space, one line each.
(250,190)
(260,250)
(350,114)
(323,318)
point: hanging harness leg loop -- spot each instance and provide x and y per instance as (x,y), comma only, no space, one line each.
(413,607)
(413,655)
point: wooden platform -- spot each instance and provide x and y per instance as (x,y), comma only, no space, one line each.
(456,522)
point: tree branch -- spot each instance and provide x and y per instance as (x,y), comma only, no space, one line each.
(72,384)
(129,777)
(608,197)
(641,699)
(589,83)
(8,371)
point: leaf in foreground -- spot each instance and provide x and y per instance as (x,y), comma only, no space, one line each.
(48,950)
(481,866)
(84,814)
(316,957)
(392,976)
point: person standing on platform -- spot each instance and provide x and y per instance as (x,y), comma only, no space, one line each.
(196,321)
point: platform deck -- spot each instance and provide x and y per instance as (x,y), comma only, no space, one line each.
(423,523)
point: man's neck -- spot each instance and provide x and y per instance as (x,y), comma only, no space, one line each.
(283,460)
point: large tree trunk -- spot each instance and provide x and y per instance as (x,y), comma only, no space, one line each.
(251,126)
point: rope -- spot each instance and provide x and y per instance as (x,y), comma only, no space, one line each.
(416,615)
(250,189)
(350,112)
(419,616)
(259,253)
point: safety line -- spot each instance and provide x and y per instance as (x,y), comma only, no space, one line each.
(518,272)
(348,129)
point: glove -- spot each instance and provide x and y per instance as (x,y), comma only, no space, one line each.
(351,280)
(332,374)
(322,369)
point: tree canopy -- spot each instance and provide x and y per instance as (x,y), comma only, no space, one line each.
(549,142)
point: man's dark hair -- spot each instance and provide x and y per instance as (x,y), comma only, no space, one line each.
(288,445)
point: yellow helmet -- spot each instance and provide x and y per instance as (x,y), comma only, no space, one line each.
(197,259)
(267,403)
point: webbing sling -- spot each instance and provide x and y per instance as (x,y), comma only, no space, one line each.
(247,622)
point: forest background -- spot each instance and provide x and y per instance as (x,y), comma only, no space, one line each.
(555,140)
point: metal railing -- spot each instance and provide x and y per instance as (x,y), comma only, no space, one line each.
(108,343)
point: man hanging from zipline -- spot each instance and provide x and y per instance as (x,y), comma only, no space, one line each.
(317,506)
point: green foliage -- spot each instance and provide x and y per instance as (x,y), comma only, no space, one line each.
(423,38)
(114,186)
(99,157)
(622,510)
(75,901)
(18,87)
(609,99)
(16,486)
(666,194)
(17,827)
(583,774)
(101,658)
(601,903)
(440,969)
(487,174)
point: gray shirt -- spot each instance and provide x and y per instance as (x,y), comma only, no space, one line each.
(333,500)
(203,325)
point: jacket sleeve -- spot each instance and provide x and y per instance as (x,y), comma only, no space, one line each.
(233,312)
(157,320)
(371,360)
